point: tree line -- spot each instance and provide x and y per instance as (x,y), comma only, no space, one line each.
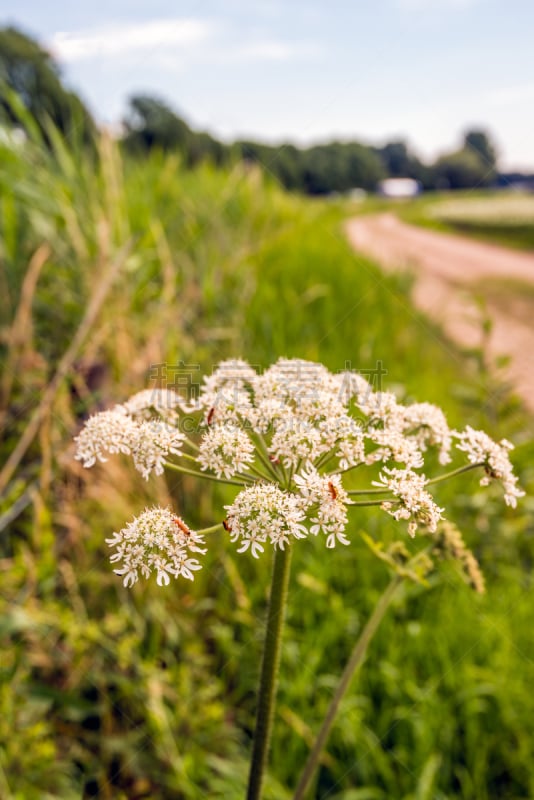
(30,72)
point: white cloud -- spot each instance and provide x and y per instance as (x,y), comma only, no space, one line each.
(120,40)
(172,43)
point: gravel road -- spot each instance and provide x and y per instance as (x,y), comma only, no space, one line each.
(450,272)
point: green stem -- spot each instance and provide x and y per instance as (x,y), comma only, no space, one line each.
(269,671)
(263,454)
(189,457)
(264,476)
(212,529)
(362,503)
(454,472)
(205,475)
(355,660)
(344,471)
(323,460)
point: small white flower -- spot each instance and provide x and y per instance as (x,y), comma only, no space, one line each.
(352,385)
(164,402)
(427,425)
(156,541)
(350,441)
(264,513)
(381,407)
(394,446)
(481,449)
(327,493)
(152,445)
(230,373)
(107,432)
(225,449)
(415,503)
(296,440)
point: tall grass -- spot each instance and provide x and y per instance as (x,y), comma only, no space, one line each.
(149,693)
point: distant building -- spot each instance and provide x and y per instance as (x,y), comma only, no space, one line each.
(399,187)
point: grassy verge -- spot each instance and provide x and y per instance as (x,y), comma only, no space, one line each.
(149,693)
(500,218)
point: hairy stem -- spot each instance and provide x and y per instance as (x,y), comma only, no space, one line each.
(269,671)
(355,660)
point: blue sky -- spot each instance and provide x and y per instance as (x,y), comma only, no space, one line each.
(307,71)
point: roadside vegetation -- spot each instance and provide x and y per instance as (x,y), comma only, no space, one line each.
(110,266)
(501,216)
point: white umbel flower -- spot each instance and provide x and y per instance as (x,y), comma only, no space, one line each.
(394,446)
(107,432)
(381,407)
(297,440)
(326,497)
(164,402)
(427,425)
(481,449)
(231,404)
(264,513)
(156,541)
(306,389)
(225,450)
(229,373)
(350,441)
(353,386)
(414,502)
(153,444)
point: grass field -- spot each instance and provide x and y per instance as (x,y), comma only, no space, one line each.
(149,693)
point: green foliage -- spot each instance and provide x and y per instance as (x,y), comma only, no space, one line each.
(151,693)
(480,143)
(461,170)
(30,72)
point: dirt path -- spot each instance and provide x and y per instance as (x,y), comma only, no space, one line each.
(449,270)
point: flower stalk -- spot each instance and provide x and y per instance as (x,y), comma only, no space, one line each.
(354,662)
(269,671)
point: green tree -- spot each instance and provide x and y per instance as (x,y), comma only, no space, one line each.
(463,169)
(30,71)
(480,143)
(151,123)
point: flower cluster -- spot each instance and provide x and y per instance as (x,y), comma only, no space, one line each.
(325,496)
(226,450)
(413,502)
(493,456)
(156,541)
(149,442)
(298,441)
(262,513)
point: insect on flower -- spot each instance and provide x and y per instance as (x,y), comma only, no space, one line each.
(226,526)
(181,524)
(332,489)
(211,413)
